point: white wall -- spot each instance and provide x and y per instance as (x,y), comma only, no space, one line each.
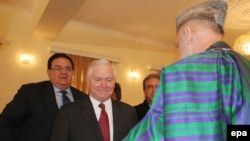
(17,29)
(14,73)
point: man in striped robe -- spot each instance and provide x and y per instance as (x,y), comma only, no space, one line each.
(208,89)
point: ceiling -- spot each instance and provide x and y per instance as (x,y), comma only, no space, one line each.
(138,24)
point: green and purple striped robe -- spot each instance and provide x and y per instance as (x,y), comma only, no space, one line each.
(197,97)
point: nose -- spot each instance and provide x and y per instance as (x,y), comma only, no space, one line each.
(154,88)
(64,70)
(104,83)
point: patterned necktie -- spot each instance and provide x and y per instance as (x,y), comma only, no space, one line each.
(104,123)
(65,99)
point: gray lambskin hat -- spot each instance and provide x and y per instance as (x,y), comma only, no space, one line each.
(212,10)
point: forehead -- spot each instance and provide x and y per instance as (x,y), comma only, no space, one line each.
(61,61)
(152,80)
(104,70)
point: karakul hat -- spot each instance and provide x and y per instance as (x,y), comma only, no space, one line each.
(213,10)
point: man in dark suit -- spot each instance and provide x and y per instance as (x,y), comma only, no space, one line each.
(150,84)
(80,120)
(30,115)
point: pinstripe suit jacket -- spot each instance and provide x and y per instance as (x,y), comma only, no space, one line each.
(77,122)
(30,115)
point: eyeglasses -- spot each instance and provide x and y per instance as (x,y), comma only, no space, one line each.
(60,68)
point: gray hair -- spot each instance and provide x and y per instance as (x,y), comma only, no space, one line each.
(96,63)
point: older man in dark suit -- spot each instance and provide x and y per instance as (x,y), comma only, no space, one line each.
(30,115)
(81,120)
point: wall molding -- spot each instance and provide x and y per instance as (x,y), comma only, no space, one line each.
(154,67)
(55,49)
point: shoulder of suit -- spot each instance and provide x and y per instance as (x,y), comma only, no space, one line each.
(120,103)
(77,94)
(83,101)
(36,85)
(73,89)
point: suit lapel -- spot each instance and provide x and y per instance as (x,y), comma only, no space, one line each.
(116,119)
(89,116)
(48,95)
(76,95)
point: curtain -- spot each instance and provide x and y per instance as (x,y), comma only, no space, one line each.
(81,65)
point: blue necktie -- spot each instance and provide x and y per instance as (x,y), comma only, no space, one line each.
(65,99)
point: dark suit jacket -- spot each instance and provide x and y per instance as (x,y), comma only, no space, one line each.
(77,122)
(30,115)
(142,109)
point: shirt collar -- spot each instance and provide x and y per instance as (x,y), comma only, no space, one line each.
(221,45)
(58,90)
(95,102)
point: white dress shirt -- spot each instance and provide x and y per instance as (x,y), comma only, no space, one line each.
(108,108)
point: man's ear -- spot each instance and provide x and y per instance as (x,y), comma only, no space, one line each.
(188,34)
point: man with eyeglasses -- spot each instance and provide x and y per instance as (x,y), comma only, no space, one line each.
(150,84)
(31,113)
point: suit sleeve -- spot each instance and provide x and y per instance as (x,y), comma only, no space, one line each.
(13,115)
(60,130)
(134,117)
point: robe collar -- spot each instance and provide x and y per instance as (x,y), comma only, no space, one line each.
(219,46)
